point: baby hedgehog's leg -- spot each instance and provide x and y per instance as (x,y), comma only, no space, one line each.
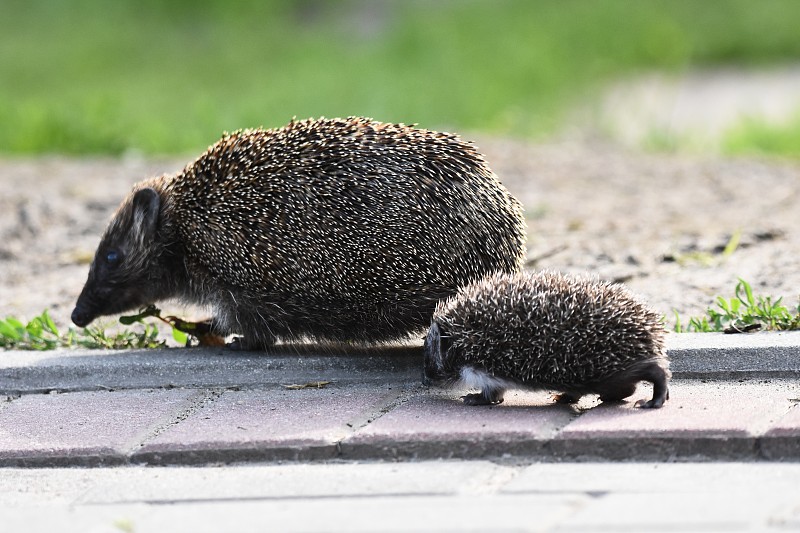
(492,388)
(488,396)
(622,384)
(658,376)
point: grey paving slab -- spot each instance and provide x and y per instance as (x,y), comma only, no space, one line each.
(132,484)
(787,518)
(695,511)
(84,427)
(421,496)
(527,512)
(712,420)
(269,424)
(759,479)
(782,441)
(440,425)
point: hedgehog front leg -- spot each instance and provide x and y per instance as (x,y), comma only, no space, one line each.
(567,397)
(488,396)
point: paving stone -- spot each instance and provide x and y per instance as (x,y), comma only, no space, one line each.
(691,511)
(84,428)
(434,425)
(701,420)
(53,486)
(526,512)
(757,478)
(787,517)
(268,425)
(416,496)
(70,486)
(782,441)
(291,481)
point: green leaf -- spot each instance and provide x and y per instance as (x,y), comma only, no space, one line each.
(34,328)
(179,336)
(9,331)
(750,301)
(48,323)
(16,324)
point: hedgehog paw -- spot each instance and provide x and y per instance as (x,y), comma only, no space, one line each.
(479,398)
(566,397)
(243,344)
(237,344)
(655,403)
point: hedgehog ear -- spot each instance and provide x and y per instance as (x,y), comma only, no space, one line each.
(146,205)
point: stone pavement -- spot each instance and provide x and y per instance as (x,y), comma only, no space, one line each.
(411,496)
(373,450)
(193,406)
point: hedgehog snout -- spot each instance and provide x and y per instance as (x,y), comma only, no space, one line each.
(81,316)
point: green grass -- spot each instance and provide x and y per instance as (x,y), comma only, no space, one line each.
(744,312)
(97,77)
(41,333)
(754,137)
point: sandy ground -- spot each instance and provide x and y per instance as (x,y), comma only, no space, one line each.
(655,222)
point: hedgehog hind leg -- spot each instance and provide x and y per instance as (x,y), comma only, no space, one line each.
(488,396)
(658,376)
(492,388)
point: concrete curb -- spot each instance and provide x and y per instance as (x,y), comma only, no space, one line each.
(76,370)
(748,355)
(699,355)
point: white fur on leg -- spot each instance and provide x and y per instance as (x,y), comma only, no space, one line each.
(476,378)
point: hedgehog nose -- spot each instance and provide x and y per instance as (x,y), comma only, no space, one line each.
(80,317)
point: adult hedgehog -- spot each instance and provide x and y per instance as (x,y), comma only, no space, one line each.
(340,229)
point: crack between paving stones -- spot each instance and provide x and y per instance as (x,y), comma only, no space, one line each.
(298,497)
(390,402)
(196,402)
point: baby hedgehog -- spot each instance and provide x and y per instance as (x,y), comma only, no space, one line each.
(550,331)
(337,229)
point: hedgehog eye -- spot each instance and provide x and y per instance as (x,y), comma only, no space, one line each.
(112,258)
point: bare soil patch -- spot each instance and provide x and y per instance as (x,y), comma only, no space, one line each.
(655,222)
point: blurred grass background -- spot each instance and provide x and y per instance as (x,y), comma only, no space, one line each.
(152,76)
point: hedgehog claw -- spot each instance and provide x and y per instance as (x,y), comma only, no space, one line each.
(479,399)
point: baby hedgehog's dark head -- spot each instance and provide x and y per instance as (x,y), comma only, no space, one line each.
(436,346)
